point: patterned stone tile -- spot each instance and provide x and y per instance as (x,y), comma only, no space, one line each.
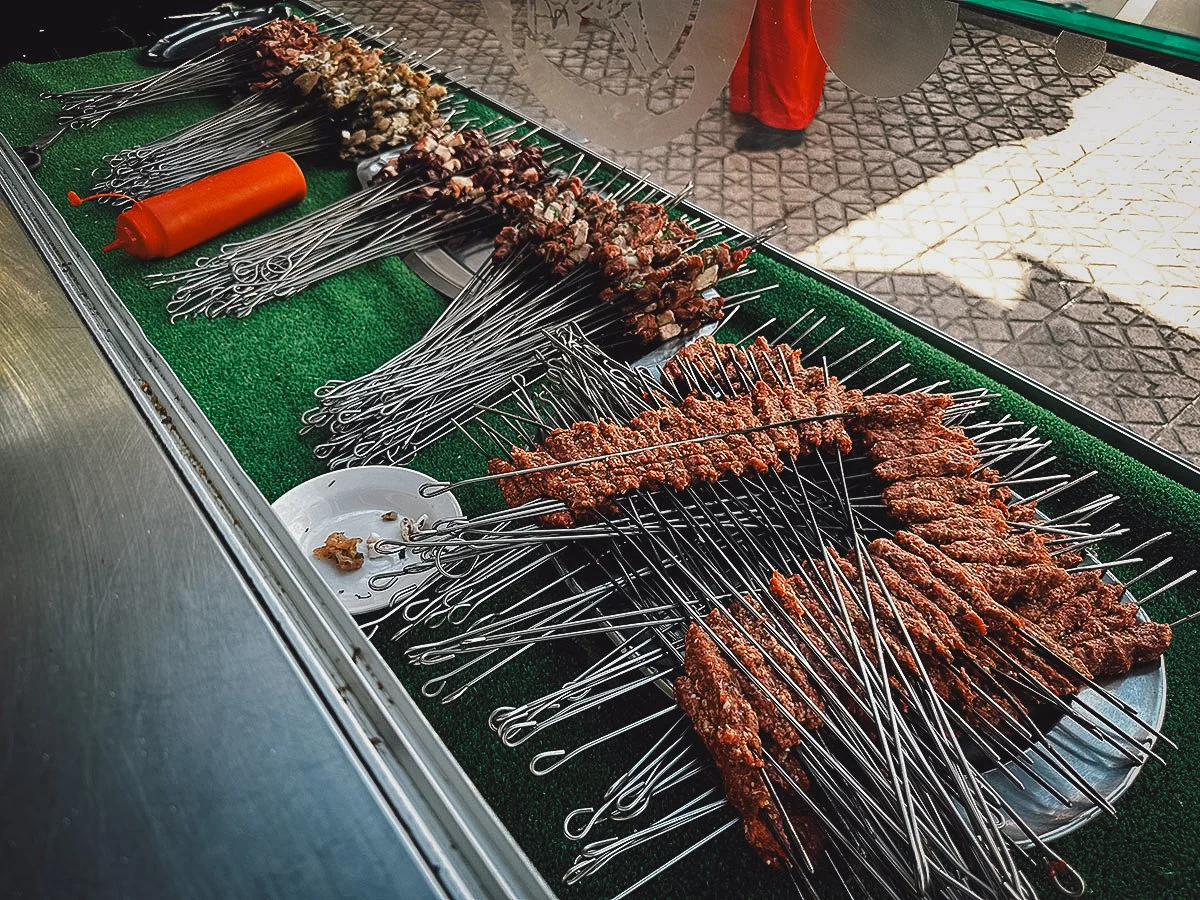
(1182,434)
(1118,360)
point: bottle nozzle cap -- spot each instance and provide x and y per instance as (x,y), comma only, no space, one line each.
(75,199)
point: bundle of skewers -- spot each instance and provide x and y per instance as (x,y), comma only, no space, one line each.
(440,188)
(256,57)
(616,264)
(867,635)
(309,93)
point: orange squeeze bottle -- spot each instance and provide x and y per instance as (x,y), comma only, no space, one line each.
(179,219)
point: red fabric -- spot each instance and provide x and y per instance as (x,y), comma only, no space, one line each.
(779,77)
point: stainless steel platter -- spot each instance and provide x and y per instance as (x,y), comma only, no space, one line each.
(1108,771)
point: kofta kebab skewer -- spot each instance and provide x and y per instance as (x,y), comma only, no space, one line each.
(946,631)
(1003,699)
(709,628)
(577,454)
(335,96)
(918,526)
(616,266)
(589,381)
(1126,663)
(864,594)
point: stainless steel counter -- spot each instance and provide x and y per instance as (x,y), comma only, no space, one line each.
(158,740)
(166,727)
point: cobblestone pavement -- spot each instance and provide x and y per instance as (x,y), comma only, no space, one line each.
(1052,221)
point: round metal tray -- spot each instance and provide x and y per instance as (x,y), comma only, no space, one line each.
(1107,771)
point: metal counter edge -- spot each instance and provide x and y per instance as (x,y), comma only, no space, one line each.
(456,831)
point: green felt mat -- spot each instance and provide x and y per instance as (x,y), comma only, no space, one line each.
(254,378)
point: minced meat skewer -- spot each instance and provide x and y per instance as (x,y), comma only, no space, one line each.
(920,586)
(736,369)
(916,571)
(896,448)
(932,487)
(1013,549)
(588,486)
(830,652)
(912,510)
(1017,570)
(862,628)
(967,524)
(947,489)
(953,657)
(940,460)
(916,414)
(742,370)
(770,706)
(937,658)
(707,361)
(808,829)
(1010,584)
(888,626)
(751,616)
(991,612)
(711,696)
(833,650)
(1115,652)
(1004,626)
(1100,629)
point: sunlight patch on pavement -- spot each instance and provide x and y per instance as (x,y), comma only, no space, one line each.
(1113,200)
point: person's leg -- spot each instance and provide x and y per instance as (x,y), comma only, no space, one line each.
(786,77)
(739,82)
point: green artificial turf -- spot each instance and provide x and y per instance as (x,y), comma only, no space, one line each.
(254,377)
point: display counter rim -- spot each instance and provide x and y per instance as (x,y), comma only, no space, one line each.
(433,800)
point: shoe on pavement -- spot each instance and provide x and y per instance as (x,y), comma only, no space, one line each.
(764,137)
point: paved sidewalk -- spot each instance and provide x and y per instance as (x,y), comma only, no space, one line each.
(1051,221)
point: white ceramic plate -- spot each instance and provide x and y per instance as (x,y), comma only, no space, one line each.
(353,501)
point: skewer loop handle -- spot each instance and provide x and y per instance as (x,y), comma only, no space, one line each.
(1063,868)
(558,757)
(498,715)
(593,815)
(433,489)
